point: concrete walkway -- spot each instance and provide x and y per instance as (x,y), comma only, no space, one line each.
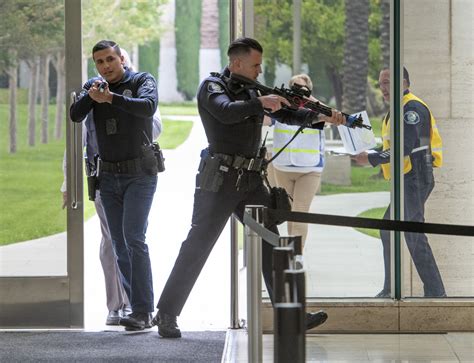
(340,261)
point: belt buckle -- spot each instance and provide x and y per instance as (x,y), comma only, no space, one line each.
(251,162)
(118,166)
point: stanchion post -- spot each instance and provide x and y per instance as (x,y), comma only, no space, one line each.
(253,243)
(289,334)
(234,274)
(282,257)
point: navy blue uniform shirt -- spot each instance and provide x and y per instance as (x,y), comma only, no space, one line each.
(233,120)
(122,125)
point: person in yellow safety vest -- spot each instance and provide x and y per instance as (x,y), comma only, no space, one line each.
(422,151)
(298,168)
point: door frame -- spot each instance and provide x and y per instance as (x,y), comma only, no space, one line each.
(57,301)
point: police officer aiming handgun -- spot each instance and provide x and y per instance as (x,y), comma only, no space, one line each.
(123,110)
(229,173)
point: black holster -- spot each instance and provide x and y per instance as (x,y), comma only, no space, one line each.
(211,173)
(152,161)
(92,179)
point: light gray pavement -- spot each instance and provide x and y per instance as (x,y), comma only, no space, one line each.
(340,261)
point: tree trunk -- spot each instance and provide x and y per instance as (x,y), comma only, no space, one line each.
(356,56)
(385,33)
(12,85)
(44,74)
(32,98)
(336,83)
(59,64)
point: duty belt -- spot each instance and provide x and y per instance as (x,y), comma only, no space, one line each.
(241,162)
(133,166)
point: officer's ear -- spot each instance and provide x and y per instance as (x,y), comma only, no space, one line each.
(122,60)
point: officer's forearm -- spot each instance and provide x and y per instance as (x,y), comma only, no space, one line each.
(229,112)
(81,108)
(142,107)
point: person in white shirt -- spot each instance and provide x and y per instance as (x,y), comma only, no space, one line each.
(298,168)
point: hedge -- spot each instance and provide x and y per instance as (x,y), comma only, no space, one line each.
(188,40)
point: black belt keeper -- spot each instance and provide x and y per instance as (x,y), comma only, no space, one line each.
(241,162)
(122,167)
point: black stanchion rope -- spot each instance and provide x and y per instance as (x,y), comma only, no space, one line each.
(359,222)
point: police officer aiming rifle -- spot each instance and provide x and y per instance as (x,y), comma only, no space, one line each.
(230,172)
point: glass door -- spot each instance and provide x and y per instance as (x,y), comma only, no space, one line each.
(41,234)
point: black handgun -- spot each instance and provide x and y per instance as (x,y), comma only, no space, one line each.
(102,86)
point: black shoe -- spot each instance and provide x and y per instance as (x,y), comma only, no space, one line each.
(113,318)
(167,325)
(137,321)
(383,293)
(315,319)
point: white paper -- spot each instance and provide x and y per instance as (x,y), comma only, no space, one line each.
(358,139)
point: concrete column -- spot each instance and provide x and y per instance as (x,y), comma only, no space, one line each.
(440,58)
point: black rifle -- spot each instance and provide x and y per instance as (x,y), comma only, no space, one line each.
(298,98)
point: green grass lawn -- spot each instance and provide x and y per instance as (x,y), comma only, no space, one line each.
(30,199)
(183,108)
(376,213)
(364,179)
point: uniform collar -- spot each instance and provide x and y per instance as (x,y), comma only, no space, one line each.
(127,75)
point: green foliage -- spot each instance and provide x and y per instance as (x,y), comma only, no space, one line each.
(29,28)
(21,96)
(322,43)
(224,30)
(149,58)
(188,39)
(127,22)
(376,213)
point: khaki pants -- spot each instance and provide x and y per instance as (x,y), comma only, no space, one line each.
(301,187)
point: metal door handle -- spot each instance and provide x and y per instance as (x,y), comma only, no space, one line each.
(73,158)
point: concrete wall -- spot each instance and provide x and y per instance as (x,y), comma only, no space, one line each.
(439,54)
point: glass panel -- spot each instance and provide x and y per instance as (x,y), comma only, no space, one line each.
(438,54)
(32,139)
(342,47)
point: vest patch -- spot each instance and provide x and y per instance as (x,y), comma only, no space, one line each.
(213,87)
(411,118)
(127,93)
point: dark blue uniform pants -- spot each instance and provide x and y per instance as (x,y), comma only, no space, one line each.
(127,201)
(210,214)
(418,187)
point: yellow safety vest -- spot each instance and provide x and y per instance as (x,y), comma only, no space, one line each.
(436,143)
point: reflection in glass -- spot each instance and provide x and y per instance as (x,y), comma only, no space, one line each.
(32,114)
(339,40)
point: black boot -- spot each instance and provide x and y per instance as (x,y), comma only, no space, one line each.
(315,319)
(137,321)
(167,325)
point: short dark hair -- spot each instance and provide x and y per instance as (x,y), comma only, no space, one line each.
(406,76)
(104,44)
(242,46)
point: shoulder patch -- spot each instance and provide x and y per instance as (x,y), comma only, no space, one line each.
(149,84)
(411,117)
(214,87)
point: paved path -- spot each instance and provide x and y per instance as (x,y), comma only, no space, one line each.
(340,261)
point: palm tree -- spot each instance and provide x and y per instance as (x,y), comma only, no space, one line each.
(356,55)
